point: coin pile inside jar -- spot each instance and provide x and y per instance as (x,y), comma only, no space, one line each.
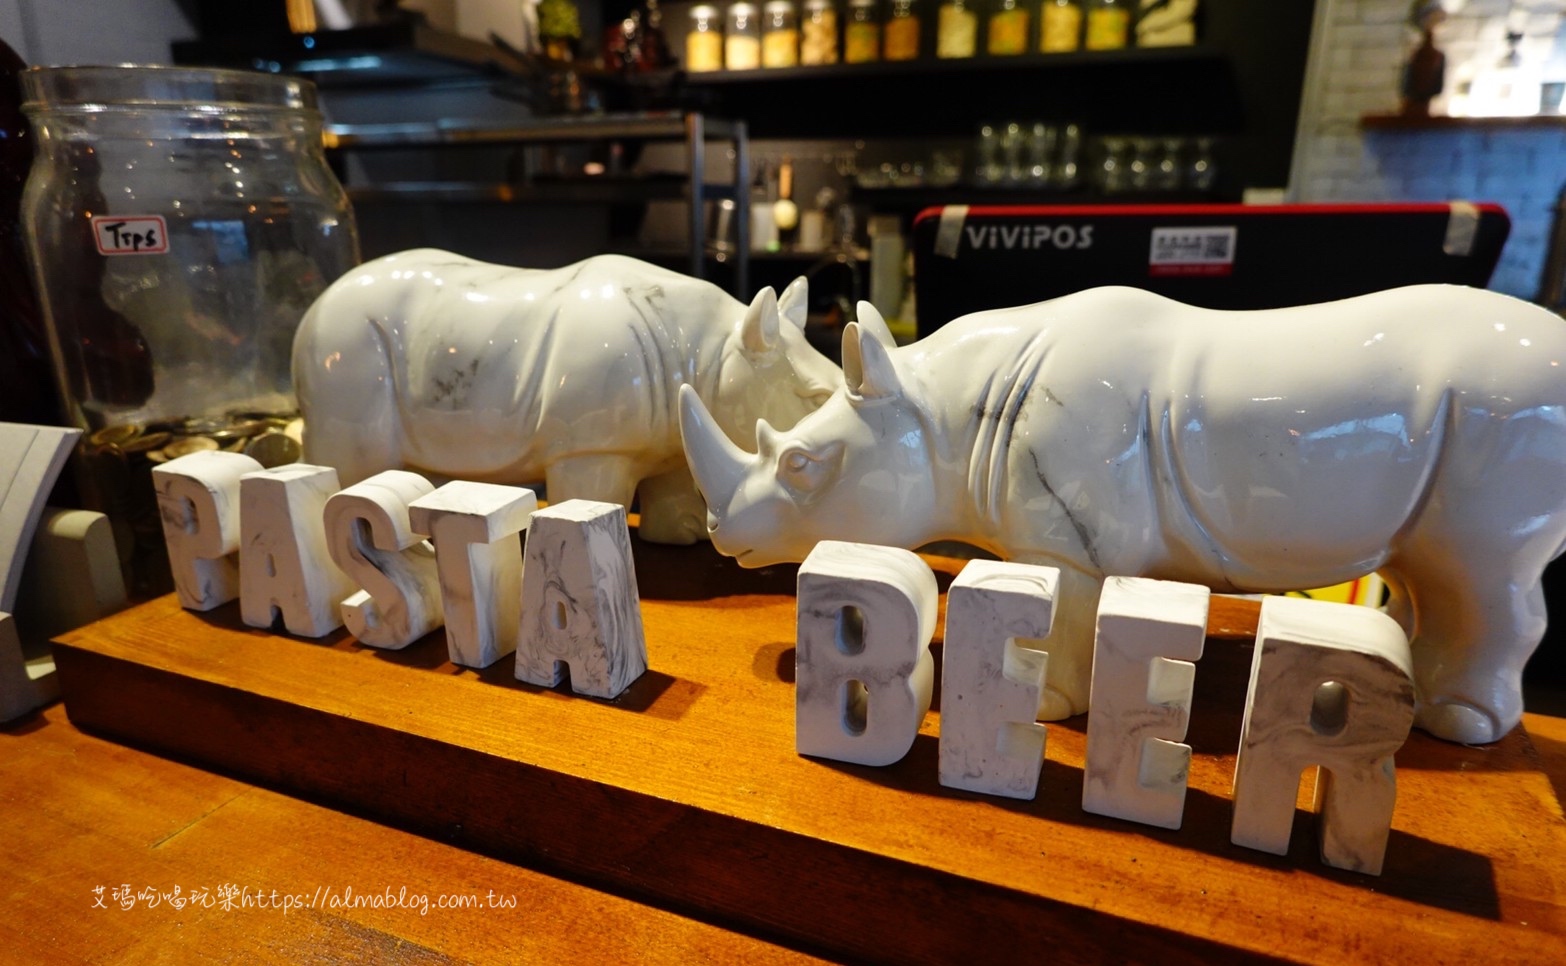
(270,439)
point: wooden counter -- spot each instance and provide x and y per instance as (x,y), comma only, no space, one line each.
(687,794)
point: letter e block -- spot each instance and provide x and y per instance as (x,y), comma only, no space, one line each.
(1331,686)
(198,500)
(474,527)
(863,668)
(1149,632)
(990,685)
(580,606)
(372,540)
(285,567)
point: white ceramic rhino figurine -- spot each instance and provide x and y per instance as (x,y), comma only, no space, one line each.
(430,361)
(1419,433)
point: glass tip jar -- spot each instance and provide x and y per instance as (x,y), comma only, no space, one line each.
(179,222)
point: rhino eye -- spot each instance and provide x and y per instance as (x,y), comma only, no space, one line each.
(796,461)
(805,474)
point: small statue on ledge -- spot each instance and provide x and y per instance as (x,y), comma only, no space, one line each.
(1425,73)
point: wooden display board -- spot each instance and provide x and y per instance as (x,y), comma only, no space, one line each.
(687,793)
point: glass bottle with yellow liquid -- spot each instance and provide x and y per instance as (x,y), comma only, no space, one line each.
(957,29)
(1008,29)
(900,40)
(1108,25)
(862,33)
(779,34)
(1060,26)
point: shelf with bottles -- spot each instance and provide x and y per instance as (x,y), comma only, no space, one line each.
(720,40)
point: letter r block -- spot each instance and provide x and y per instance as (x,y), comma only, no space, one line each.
(1149,632)
(198,501)
(1332,686)
(990,685)
(863,669)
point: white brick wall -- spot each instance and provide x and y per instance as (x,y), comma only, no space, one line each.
(1356,69)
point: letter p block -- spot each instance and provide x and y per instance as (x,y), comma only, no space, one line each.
(863,669)
(1331,685)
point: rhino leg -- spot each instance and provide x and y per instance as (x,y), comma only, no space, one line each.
(1476,619)
(605,477)
(672,508)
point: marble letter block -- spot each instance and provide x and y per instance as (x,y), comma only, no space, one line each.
(990,686)
(1332,686)
(863,668)
(474,527)
(370,538)
(284,565)
(198,500)
(1149,632)
(580,606)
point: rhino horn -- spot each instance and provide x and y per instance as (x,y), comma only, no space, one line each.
(794,303)
(716,463)
(871,322)
(867,365)
(759,331)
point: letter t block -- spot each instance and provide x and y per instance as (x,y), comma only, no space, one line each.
(474,527)
(990,685)
(1331,685)
(863,668)
(1149,632)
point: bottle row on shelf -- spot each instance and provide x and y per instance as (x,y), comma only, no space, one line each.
(779,33)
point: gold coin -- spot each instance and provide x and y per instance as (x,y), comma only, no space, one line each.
(273,449)
(295,431)
(115,435)
(188,445)
(244,430)
(145,442)
(157,456)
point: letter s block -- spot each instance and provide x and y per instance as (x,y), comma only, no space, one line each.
(370,538)
(990,685)
(580,606)
(198,500)
(1149,632)
(863,669)
(1331,685)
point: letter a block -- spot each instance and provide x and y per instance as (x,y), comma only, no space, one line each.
(371,539)
(198,501)
(580,606)
(990,685)
(863,668)
(1332,686)
(1149,632)
(284,566)
(474,527)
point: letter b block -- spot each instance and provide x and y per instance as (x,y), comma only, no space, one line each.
(1332,686)
(580,606)
(990,685)
(863,668)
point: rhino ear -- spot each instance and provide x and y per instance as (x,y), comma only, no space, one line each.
(759,331)
(870,320)
(867,365)
(794,303)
